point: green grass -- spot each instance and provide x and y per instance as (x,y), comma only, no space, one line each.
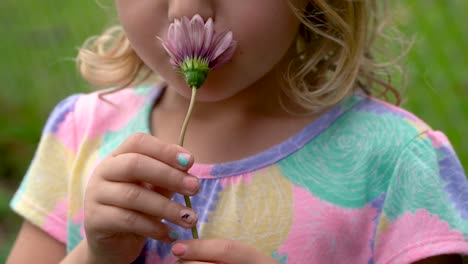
(39,41)
(40,38)
(438,83)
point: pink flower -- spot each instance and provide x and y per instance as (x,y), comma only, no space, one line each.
(195,48)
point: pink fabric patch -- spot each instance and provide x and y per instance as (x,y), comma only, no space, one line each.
(246,179)
(438,139)
(415,236)
(89,109)
(79,219)
(202,171)
(55,223)
(325,233)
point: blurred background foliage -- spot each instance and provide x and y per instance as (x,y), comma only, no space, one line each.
(40,40)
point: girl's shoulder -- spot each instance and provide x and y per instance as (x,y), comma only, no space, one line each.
(375,121)
(96,113)
(101,117)
(108,103)
(371,131)
(369,147)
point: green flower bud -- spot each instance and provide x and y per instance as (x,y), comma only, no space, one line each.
(195,71)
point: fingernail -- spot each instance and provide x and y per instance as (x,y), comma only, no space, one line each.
(183,159)
(191,184)
(188,216)
(174,235)
(179,249)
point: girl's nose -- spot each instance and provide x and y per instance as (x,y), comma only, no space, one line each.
(189,8)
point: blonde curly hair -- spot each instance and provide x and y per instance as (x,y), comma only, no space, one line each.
(335,56)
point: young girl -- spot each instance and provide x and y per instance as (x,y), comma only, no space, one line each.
(288,158)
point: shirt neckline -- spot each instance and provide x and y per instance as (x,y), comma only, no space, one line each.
(267,157)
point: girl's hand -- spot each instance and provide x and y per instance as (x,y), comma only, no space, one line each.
(218,251)
(128,195)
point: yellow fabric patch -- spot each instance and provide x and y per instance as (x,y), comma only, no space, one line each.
(259,213)
(383,225)
(48,174)
(83,167)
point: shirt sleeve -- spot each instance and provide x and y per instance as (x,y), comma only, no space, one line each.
(42,196)
(425,211)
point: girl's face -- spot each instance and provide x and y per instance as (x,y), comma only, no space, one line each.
(264,31)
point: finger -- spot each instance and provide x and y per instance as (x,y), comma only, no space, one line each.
(127,222)
(137,198)
(217,250)
(163,192)
(133,167)
(145,144)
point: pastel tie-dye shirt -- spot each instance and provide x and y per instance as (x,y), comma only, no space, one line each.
(367,182)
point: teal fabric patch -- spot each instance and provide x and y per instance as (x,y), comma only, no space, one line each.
(144,89)
(283,259)
(417,184)
(139,123)
(350,163)
(73,235)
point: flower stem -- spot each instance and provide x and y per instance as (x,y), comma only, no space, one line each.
(188,203)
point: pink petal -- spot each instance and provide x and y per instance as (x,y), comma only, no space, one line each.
(173,53)
(170,50)
(198,34)
(181,39)
(174,63)
(171,37)
(209,32)
(225,57)
(188,36)
(223,42)
(171,33)
(197,19)
(193,38)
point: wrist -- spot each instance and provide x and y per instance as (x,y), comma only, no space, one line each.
(80,254)
(83,254)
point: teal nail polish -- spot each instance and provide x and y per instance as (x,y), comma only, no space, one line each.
(183,159)
(174,235)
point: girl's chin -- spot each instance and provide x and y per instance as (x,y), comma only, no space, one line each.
(210,92)
(207,95)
